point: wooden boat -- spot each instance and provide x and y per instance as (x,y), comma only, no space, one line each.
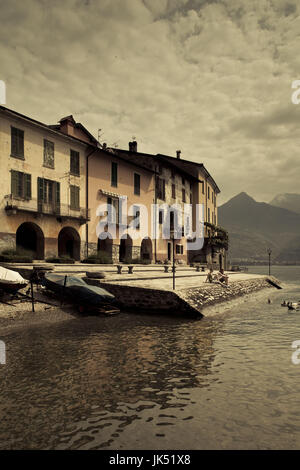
(84,296)
(11,281)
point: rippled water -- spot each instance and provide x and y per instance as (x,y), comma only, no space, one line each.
(141,382)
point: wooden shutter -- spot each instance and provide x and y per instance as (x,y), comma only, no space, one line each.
(57,197)
(137,184)
(40,188)
(114,174)
(74,196)
(14,183)
(27,186)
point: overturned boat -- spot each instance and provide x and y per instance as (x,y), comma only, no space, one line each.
(84,296)
(11,281)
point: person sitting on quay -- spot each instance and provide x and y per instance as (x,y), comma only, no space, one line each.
(222,278)
(210,276)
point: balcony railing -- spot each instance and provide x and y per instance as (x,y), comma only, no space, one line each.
(14,205)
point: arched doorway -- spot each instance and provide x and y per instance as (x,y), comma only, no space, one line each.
(146,249)
(125,253)
(69,243)
(30,237)
(105,244)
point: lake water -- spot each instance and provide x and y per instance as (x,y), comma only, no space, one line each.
(141,382)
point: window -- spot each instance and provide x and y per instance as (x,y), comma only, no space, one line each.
(160,216)
(208,214)
(114,174)
(172,220)
(179,249)
(48,196)
(74,197)
(74,163)
(191,198)
(112,210)
(173,191)
(183,195)
(212,197)
(203,188)
(17,143)
(137,184)
(20,185)
(161,188)
(208,192)
(48,154)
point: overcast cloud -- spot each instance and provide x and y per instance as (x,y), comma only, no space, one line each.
(212,78)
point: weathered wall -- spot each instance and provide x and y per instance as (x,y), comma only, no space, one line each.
(185,302)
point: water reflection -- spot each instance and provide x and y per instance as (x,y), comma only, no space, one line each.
(81,383)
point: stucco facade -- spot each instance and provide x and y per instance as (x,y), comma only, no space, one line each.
(33,218)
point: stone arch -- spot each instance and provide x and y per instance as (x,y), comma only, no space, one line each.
(30,237)
(125,252)
(69,243)
(146,249)
(105,244)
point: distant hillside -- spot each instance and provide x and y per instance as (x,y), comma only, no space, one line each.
(290,201)
(256,226)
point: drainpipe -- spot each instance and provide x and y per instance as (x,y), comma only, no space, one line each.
(87,200)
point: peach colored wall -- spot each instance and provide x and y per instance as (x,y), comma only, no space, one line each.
(33,164)
(100,179)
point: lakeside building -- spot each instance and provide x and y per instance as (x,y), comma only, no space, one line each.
(57,177)
(42,192)
(179,181)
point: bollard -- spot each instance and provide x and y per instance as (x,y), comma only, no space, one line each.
(166,268)
(198,269)
(130,268)
(203,269)
(119,268)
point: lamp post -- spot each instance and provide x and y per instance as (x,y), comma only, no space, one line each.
(172,236)
(269,253)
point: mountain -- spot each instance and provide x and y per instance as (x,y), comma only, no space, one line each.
(290,201)
(254,227)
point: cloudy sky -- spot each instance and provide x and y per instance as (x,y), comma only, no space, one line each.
(212,78)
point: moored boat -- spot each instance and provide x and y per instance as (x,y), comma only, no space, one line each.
(11,281)
(84,296)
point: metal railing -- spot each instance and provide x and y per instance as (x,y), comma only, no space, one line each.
(13,203)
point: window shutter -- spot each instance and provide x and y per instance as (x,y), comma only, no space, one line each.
(14,183)
(114,174)
(40,189)
(13,141)
(27,186)
(57,196)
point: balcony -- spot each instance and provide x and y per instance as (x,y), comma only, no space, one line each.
(14,205)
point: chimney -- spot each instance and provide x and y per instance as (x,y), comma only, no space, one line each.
(133,146)
(104,145)
(178,152)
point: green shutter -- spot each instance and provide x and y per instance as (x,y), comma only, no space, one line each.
(57,197)
(114,174)
(40,188)
(14,183)
(27,186)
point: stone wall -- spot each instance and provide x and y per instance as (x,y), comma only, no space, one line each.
(184,302)
(211,294)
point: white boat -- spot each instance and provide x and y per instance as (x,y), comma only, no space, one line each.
(11,281)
